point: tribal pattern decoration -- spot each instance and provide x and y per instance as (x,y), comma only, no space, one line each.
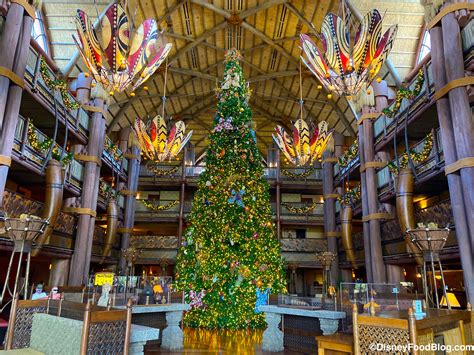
(344,67)
(300,149)
(156,143)
(118,55)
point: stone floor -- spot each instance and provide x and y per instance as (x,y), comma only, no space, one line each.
(226,342)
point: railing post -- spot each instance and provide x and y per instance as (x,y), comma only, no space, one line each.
(24,137)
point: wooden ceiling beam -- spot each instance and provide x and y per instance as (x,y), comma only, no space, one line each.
(300,17)
(277,74)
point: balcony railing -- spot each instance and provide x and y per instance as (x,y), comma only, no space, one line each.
(114,156)
(142,212)
(23,148)
(384,125)
(78,119)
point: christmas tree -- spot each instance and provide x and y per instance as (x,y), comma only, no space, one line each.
(230,252)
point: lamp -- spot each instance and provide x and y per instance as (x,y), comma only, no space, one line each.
(344,67)
(452,301)
(117,54)
(300,150)
(326,258)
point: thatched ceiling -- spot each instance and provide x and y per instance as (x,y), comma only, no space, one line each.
(201,31)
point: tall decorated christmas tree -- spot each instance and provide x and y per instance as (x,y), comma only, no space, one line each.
(230,255)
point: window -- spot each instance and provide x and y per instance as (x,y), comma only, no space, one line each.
(38,32)
(425,47)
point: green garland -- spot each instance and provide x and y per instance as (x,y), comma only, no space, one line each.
(57,84)
(154,207)
(349,155)
(160,172)
(301,210)
(113,150)
(351,196)
(303,175)
(404,93)
(43,147)
(106,190)
(416,157)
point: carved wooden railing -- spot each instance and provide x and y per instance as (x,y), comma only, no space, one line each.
(308,245)
(114,158)
(23,149)
(77,119)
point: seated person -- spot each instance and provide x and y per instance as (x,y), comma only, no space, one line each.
(39,294)
(54,294)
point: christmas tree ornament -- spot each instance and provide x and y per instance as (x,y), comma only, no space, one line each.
(118,55)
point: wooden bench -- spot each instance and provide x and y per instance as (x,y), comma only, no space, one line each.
(338,343)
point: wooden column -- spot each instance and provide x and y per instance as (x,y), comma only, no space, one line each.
(278,194)
(365,208)
(181,202)
(464,234)
(130,200)
(90,189)
(330,213)
(368,151)
(461,113)
(14,46)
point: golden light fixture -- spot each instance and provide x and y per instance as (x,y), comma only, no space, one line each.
(344,67)
(156,143)
(117,54)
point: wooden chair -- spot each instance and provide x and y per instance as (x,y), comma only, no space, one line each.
(338,343)
(106,332)
(370,330)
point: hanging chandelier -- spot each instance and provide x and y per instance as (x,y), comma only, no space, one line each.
(344,67)
(118,55)
(300,150)
(156,143)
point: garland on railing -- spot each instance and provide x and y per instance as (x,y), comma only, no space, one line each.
(416,157)
(113,150)
(106,190)
(161,172)
(302,175)
(43,147)
(300,210)
(405,93)
(349,155)
(351,196)
(57,84)
(154,207)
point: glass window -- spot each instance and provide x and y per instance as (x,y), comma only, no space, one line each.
(38,32)
(425,47)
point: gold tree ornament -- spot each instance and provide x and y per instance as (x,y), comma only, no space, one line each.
(118,55)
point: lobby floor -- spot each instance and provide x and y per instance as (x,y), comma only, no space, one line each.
(225,342)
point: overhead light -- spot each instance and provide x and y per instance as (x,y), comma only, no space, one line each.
(117,54)
(344,67)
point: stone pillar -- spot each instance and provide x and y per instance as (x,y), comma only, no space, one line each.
(370,200)
(90,188)
(59,272)
(133,157)
(464,234)
(14,47)
(330,212)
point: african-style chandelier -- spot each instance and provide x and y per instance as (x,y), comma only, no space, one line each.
(300,150)
(156,143)
(344,67)
(118,55)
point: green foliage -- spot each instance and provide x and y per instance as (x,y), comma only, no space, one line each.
(230,247)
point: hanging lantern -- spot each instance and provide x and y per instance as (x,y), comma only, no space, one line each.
(156,143)
(118,55)
(344,67)
(301,150)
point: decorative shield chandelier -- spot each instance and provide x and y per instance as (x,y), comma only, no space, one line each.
(156,143)
(300,150)
(344,67)
(118,55)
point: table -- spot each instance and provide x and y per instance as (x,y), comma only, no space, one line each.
(450,324)
(147,315)
(273,337)
(139,336)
